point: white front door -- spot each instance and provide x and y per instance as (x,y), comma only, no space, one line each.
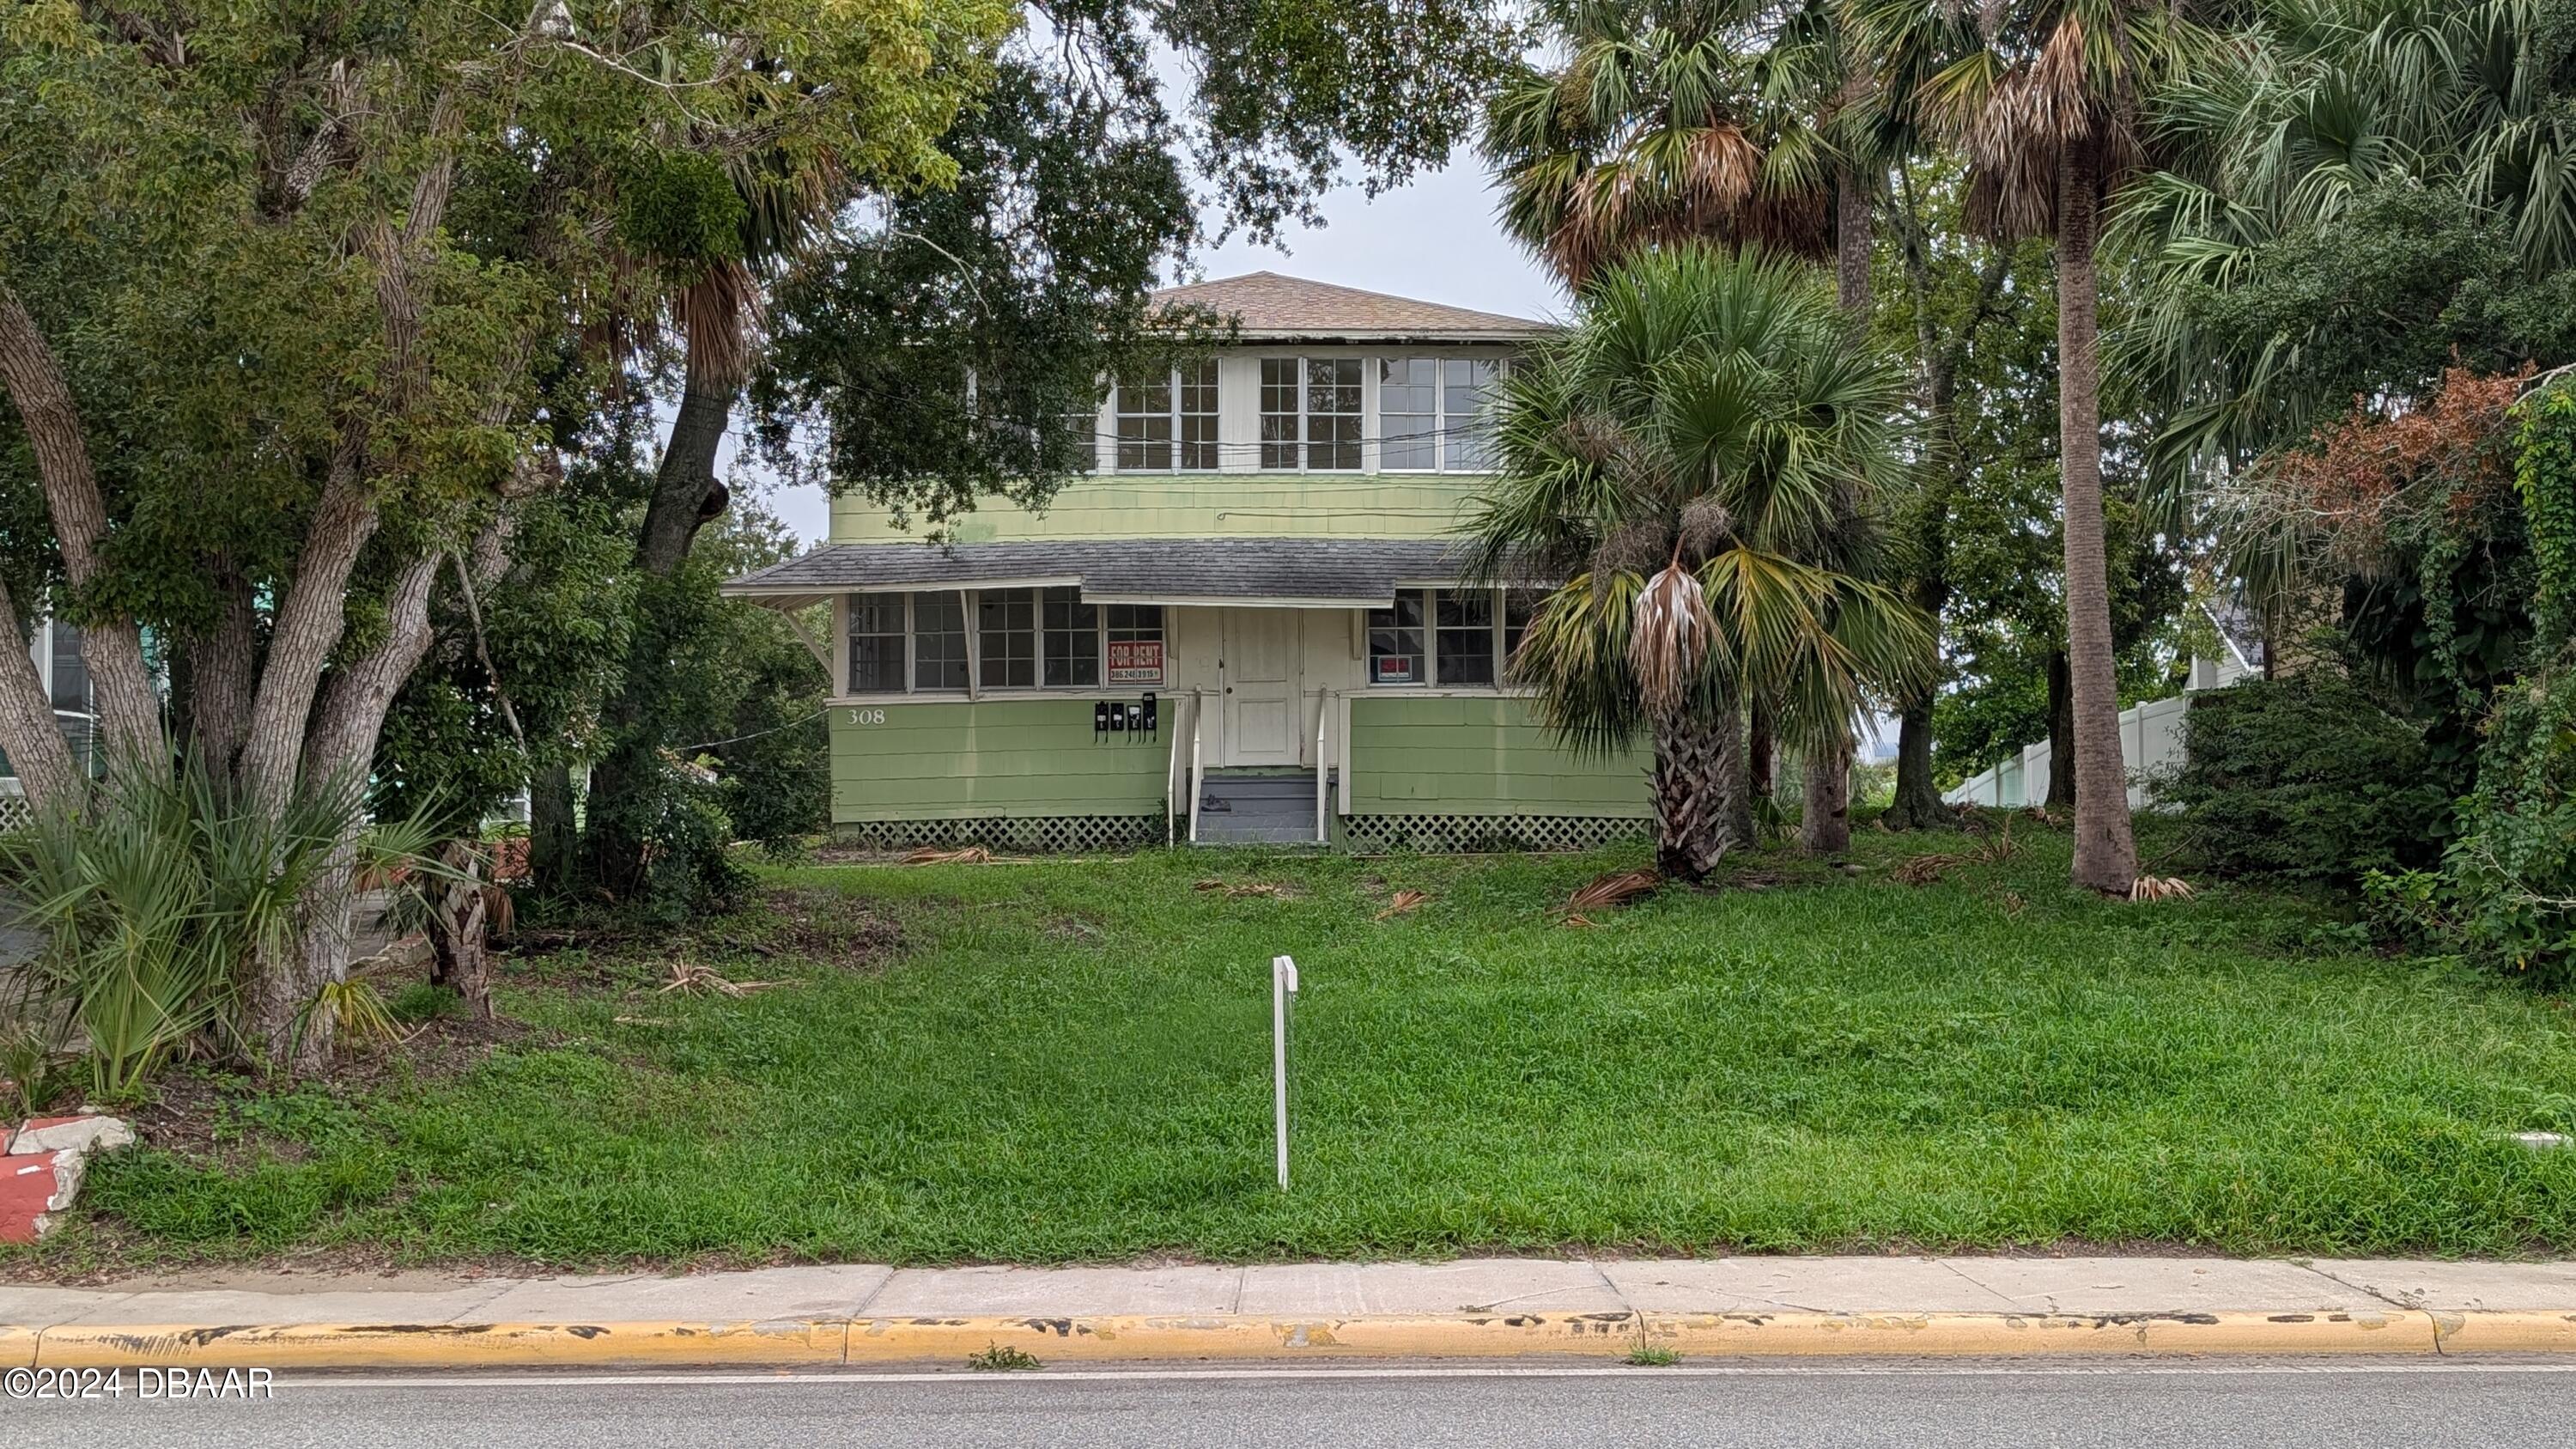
(1257,672)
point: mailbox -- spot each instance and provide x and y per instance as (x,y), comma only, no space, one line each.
(1152,724)
(1135,714)
(1100,718)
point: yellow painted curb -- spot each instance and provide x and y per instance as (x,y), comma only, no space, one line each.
(1147,1337)
(321,1346)
(2505,1332)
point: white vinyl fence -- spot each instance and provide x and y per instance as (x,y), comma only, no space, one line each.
(2150,744)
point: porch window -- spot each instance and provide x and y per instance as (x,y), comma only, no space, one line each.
(1519,607)
(876,643)
(1310,413)
(938,642)
(1395,642)
(1463,621)
(1006,630)
(1072,639)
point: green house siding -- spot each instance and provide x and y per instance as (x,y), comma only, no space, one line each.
(1471,756)
(996,757)
(1202,505)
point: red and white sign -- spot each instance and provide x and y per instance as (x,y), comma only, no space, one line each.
(1135,661)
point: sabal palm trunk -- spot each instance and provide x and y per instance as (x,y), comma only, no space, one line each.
(1824,817)
(2106,855)
(1700,789)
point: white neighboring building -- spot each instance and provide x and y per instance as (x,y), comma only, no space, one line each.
(2150,734)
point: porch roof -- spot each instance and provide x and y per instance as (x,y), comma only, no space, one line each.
(1315,573)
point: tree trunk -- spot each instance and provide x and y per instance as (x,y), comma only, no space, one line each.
(683,489)
(2106,855)
(36,751)
(1759,752)
(221,667)
(1699,787)
(459,929)
(551,840)
(1918,804)
(2061,735)
(1824,821)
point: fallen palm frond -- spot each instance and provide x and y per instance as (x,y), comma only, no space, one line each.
(1617,888)
(640,1020)
(962,855)
(1923,870)
(690,979)
(1242,888)
(2160,888)
(1403,902)
(1579,919)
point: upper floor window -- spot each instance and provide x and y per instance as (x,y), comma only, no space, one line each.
(1170,421)
(1310,413)
(1433,413)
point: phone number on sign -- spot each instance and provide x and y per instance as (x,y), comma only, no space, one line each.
(172,1386)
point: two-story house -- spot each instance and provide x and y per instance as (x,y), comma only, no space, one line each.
(1246,623)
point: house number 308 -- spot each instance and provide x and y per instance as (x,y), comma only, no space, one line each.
(867,716)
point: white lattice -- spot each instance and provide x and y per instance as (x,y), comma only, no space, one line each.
(14,811)
(1040,834)
(1477,834)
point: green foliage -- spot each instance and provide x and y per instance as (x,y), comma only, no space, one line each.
(2509,891)
(155,903)
(2545,474)
(1001,1358)
(680,207)
(2305,778)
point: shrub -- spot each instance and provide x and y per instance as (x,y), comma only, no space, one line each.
(2304,778)
(2511,875)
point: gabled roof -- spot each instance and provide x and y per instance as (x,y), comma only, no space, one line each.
(1270,307)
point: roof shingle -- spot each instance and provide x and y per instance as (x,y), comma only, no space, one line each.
(1268,305)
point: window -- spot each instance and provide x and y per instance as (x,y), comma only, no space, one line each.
(1280,414)
(1145,426)
(1395,642)
(1466,395)
(1519,607)
(1006,629)
(1168,421)
(1463,619)
(1135,643)
(876,643)
(1198,414)
(938,642)
(1408,413)
(1072,630)
(1310,413)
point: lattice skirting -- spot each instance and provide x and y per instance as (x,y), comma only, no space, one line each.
(1036,834)
(1459,834)
(14,812)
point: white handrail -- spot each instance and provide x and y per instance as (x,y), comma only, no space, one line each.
(1323,772)
(1171,772)
(1198,770)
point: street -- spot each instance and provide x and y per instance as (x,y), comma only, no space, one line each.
(1924,1406)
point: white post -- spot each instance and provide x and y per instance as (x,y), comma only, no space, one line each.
(1283,984)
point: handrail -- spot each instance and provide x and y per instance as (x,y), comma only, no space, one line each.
(1323,772)
(1171,772)
(1198,770)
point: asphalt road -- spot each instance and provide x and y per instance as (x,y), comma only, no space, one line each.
(1928,1407)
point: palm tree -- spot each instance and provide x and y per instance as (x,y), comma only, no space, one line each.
(1682,458)
(2046,99)
(1668,121)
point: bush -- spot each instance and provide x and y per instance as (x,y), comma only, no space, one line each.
(2304,778)
(2510,878)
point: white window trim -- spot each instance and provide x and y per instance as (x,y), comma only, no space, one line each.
(976,687)
(1174,414)
(1428,683)
(1366,416)
(1441,422)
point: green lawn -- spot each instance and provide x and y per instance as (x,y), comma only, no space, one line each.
(1071,1061)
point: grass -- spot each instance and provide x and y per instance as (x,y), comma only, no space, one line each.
(1070,1061)
(1653,1355)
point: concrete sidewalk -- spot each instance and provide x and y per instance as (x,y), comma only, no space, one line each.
(1483,1307)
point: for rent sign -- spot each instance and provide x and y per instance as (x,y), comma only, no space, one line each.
(1135,661)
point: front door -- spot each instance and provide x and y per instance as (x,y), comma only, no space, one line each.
(1257,670)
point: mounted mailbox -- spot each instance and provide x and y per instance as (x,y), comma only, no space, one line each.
(1100,717)
(1153,722)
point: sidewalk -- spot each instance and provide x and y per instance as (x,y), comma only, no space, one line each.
(1608,1308)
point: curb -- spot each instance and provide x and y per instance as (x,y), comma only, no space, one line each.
(891,1341)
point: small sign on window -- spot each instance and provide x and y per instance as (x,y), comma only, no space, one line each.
(1135,661)
(1394,668)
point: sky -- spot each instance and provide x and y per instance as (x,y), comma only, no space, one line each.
(1435,240)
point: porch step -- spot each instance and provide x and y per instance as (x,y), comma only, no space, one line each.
(1273,807)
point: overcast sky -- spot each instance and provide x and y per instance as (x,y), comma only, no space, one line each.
(1435,240)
